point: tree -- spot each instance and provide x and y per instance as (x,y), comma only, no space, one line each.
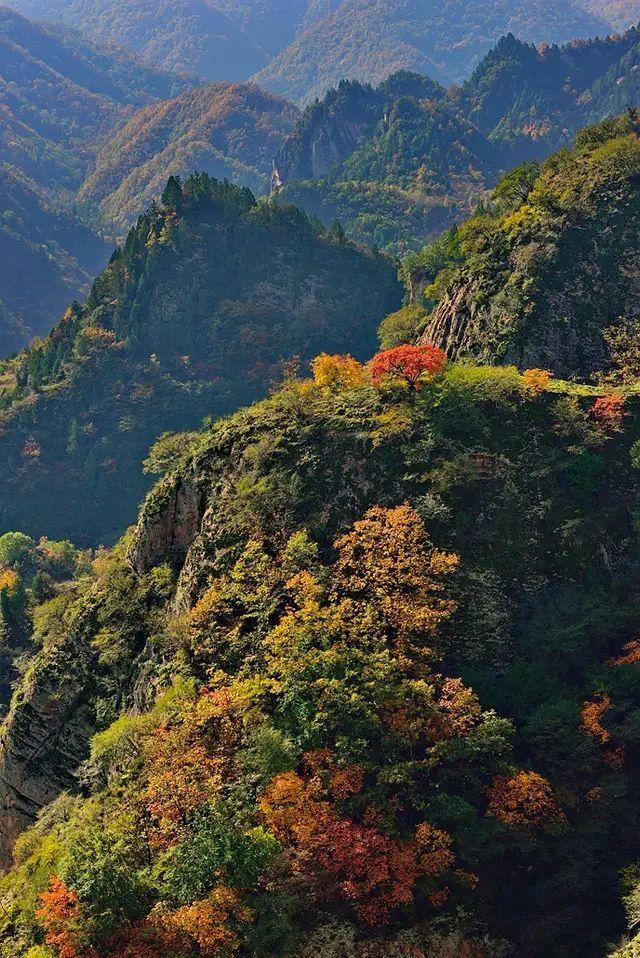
(609,412)
(62,918)
(389,561)
(408,364)
(525,801)
(338,372)
(15,548)
(173,196)
(536,381)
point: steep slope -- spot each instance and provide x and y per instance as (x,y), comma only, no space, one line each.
(61,94)
(547,276)
(620,13)
(367,40)
(393,164)
(189,36)
(47,260)
(315,778)
(227,130)
(398,163)
(192,317)
(532,99)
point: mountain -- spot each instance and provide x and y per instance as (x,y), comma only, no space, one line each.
(367,40)
(61,95)
(620,13)
(393,164)
(47,260)
(362,681)
(545,276)
(398,163)
(193,316)
(187,36)
(227,130)
(273,24)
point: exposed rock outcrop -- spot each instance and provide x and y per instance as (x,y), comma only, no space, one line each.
(46,734)
(168,523)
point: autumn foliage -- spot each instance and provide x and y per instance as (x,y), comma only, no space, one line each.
(609,412)
(338,372)
(408,364)
(61,916)
(338,857)
(525,801)
(536,381)
(388,559)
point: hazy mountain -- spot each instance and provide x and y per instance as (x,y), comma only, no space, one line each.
(369,39)
(47,260)
(228,130)
(182,35)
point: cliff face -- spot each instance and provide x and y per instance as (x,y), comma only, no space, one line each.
(551,280)
(329,132)
(46,735)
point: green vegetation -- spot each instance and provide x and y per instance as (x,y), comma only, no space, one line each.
(196,314)
(62,95)
(395,701)
(543,275)
(398,164)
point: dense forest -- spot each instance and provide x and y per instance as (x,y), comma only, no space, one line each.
(196,314)
(92,134)
(398,163)
(361,683)
(47,259)
(319,509)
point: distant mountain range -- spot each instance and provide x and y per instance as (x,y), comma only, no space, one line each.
(301,48)
(61,96)
(401,161)
(90,132)
(367,40)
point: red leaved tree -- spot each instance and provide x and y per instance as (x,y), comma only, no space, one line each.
(410,364)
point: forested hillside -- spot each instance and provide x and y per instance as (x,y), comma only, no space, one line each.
(400,162)
(61,96)
(47,259)
(546,274)
(228,130)
(187,36)
(319,606)
(195,315)
(364,682)
(367,40)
